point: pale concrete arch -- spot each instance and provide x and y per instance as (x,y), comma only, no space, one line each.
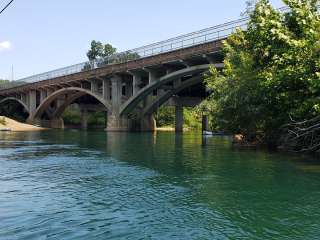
(59,111)
(127,107)
(47,101)
(155,104)
(18,101)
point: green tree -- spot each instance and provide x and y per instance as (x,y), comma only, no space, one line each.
(99,50)
(95,51)
(272,72)
(9,84)
(108,50)
(165,116)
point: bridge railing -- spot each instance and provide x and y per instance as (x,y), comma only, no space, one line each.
(207,35)
(192,39)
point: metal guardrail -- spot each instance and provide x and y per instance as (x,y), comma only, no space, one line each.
(207,35)
(181,42)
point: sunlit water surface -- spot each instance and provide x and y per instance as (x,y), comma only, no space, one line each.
(93,185)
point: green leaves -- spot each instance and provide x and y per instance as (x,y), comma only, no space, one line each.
(98,50)
(271,71)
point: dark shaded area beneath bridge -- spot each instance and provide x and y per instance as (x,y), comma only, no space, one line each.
(14,110)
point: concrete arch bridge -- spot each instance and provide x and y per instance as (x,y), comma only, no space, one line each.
(129,86)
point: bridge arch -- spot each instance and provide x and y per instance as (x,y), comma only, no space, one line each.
(59,111)
(144,92)
(26,108)
(160,100)
(77,93)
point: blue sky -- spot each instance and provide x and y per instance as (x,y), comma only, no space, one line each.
(38,36)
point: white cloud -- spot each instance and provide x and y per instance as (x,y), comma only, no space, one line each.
(5,45)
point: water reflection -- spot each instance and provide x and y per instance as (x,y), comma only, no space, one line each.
(93,185)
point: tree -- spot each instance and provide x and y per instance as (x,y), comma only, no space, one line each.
(95,51)
(250,5)
(9,84)
(99,50)
(109,50)
(272,72)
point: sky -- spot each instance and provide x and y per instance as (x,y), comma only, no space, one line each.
(38,36)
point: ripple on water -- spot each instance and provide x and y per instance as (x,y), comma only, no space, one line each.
(128,187)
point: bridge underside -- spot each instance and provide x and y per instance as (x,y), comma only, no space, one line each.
(128,95)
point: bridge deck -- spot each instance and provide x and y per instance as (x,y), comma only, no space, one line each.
(104,71)
(181,47)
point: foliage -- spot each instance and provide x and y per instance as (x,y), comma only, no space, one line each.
(87,66)
(165,117)
(272,72)
(126,56)
(100,55)
(250,7)
(9,84)
(192,119)
(72,116)
(97,119)
(99,50)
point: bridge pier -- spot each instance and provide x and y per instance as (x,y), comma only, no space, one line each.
(136,81)
(106,89)
(32,101)
(84,119)
(148,124)
(94,86)
(56,123)
(205,123)
(43,95)
(117,124)
(179,118)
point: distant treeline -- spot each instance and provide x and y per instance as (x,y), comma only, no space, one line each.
(9,84)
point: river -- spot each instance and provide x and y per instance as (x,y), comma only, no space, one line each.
(93,185)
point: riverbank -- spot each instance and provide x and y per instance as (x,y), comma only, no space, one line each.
(9,124)
(165,129)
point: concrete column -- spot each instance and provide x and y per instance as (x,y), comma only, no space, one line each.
(152,76)
(205,123)
(137,79)
(116,89)
(94,86)
(106,89)
(56,123)
(179,118)
(24,98)
(115,123)
(148,123)
(43,95)
(129,89)
(84,119)
(32,101)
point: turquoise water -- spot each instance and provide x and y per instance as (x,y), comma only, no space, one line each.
(93,185)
